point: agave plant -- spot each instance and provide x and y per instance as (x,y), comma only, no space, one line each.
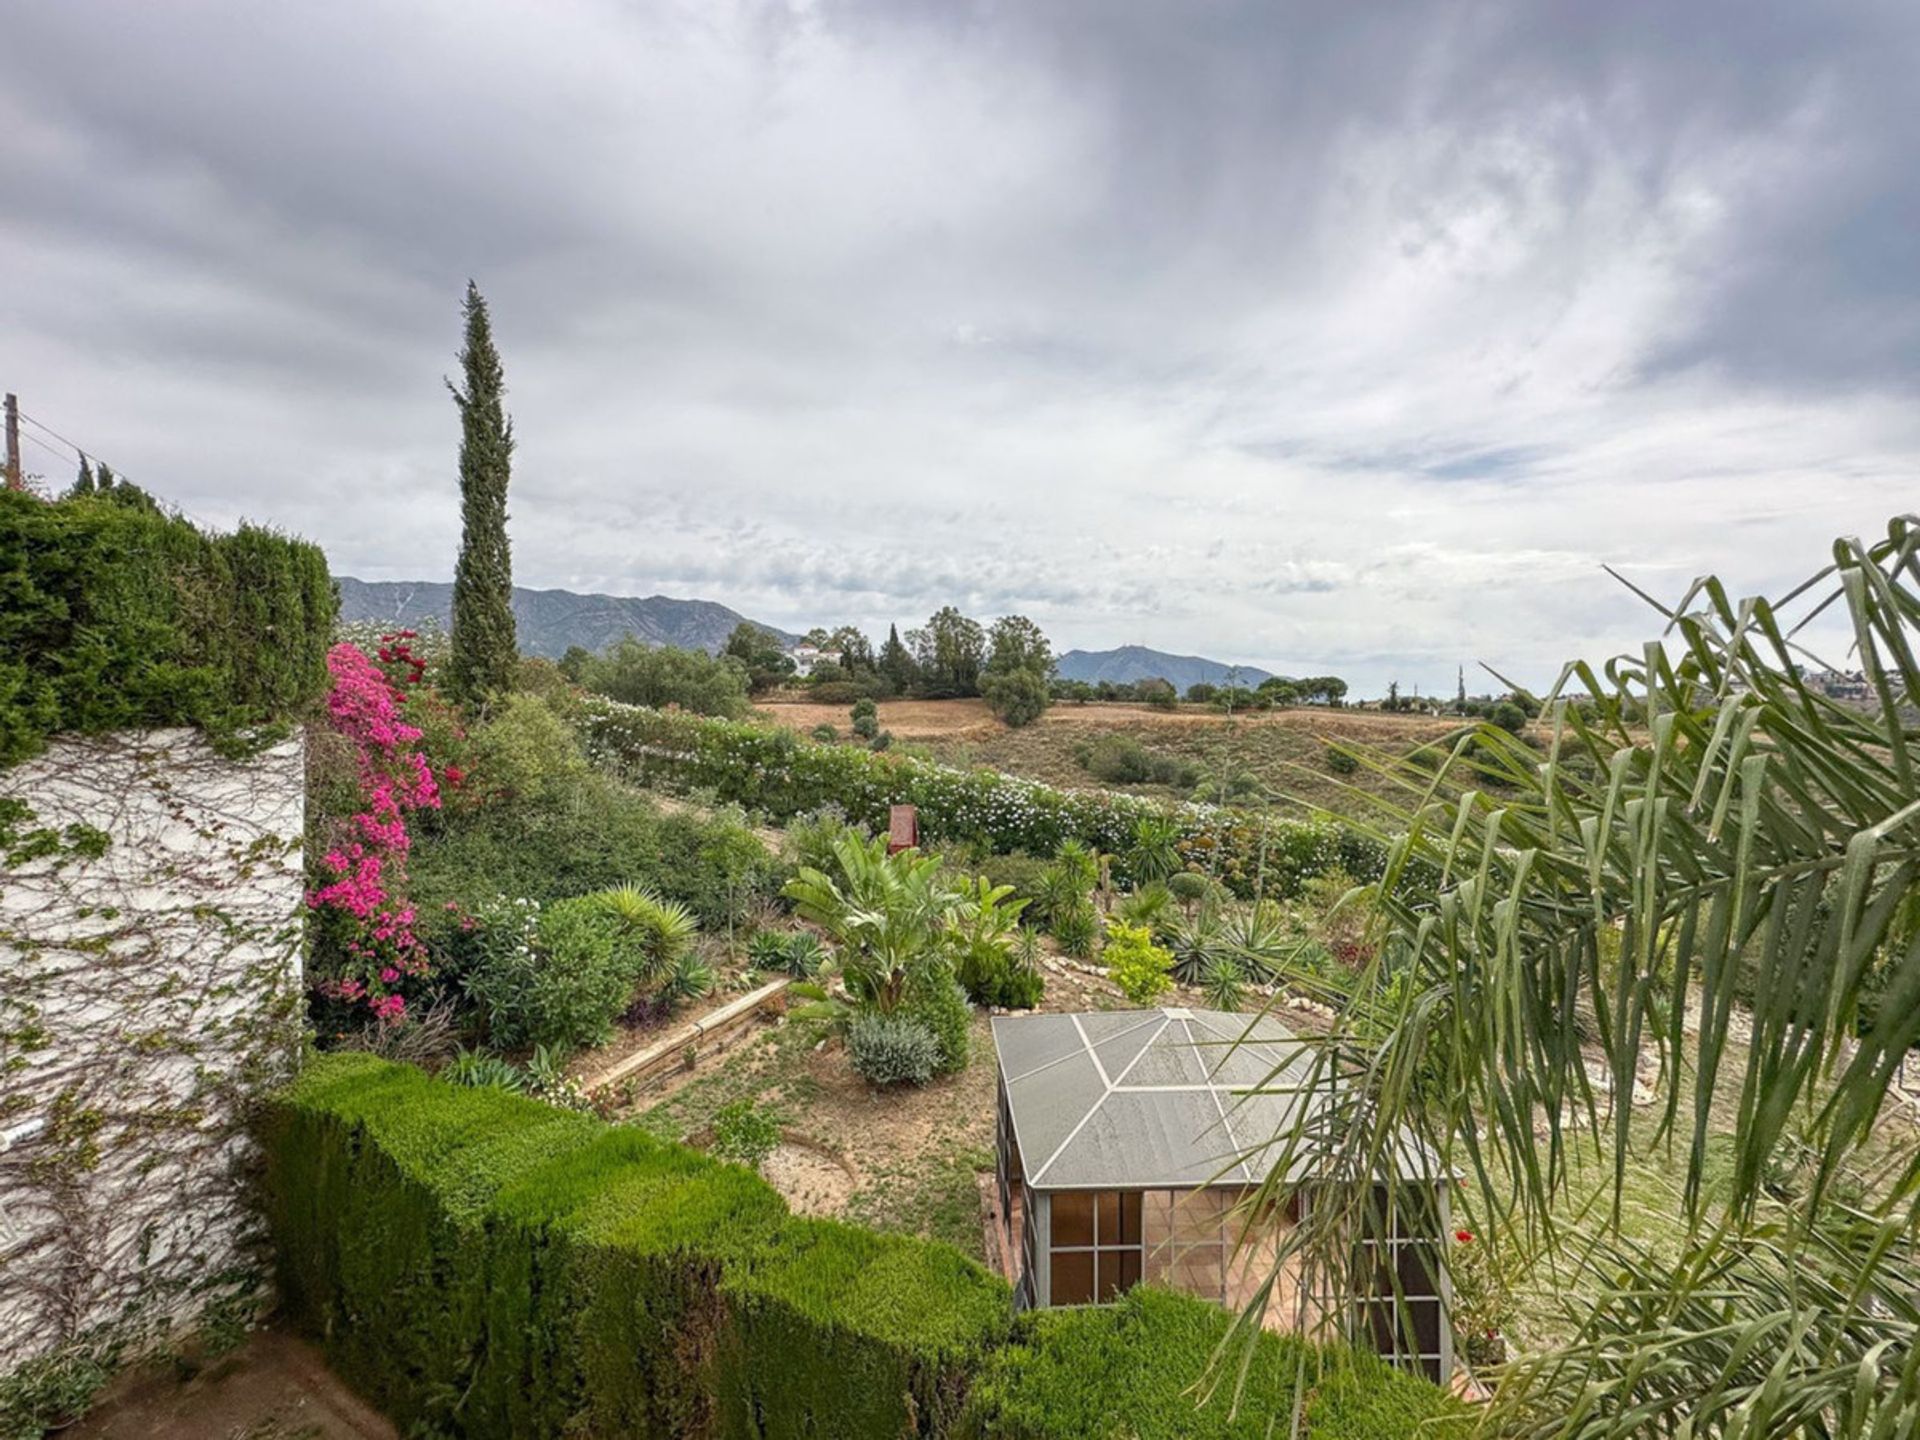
(1257,939)
(1223,984)
(1702,831)
(688,978)
(481,1069)
(1196,942)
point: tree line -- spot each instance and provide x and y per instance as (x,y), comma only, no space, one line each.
(1008,663)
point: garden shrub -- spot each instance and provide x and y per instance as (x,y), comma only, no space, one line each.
(523,753)
(866,718)
(825,734)
(798,953)
(717,866)
(636,673)
(1139,967)
(122,617)
(566,988)
(744,1133)
(1095,1372)
(939,1002)
(766,770)
(478,1263)
(892,1049)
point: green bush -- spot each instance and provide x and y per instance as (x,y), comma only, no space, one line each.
(866,718)
(1018,697)
(565,989)
(481,1264)
(717,866)
(825,734)
(798,953)
(1096,1372)
(1341,761)
(1139,967)
(940,1003)
(744,1133)
(635,673)
(892,1049)
(114,616)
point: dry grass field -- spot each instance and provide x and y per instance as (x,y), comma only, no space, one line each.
(1285,751)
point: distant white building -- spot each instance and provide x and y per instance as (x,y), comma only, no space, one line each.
(809,658)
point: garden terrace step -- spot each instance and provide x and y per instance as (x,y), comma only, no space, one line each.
(709,1026)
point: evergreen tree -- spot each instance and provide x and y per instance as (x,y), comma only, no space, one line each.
(484,651)
(896,662)
(83,482)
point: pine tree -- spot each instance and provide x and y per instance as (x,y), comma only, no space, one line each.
(83,482)
(484,651)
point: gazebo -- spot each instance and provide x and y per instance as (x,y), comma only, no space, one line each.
(1126,1139)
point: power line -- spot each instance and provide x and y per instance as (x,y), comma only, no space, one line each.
(80,453)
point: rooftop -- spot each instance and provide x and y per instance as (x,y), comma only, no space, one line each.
(1149,1099)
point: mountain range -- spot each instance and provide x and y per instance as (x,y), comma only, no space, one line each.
(1136,662)
(548,621)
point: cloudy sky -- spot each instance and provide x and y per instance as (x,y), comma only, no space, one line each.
(1345,338)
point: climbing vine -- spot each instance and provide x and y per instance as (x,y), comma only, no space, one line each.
(150,936)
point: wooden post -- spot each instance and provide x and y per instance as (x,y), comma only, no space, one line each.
(14,480)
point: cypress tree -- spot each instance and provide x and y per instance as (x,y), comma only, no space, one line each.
(896,664)
(484,650)
(83,481)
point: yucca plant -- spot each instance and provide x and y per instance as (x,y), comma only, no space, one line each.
(1698,832)
(655,931)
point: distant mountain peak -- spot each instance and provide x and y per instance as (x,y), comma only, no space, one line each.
(549,621)
(1131,663)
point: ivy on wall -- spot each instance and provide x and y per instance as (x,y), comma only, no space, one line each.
(150,936)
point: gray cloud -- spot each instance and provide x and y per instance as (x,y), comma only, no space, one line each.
(1323,337)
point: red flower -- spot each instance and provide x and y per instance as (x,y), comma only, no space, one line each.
(454,774)
(1465,1237)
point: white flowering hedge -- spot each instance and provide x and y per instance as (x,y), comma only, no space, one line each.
(777,773)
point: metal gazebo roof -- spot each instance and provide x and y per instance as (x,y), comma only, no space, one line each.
(1149,1099)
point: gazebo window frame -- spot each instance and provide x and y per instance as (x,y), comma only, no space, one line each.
(1100,1250)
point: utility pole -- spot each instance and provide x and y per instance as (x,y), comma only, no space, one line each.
(14,482)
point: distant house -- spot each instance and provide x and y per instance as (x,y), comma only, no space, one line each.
(1125,1140)
(809,658)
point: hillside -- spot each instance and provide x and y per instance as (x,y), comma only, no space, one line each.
(1136,662)
(551,620)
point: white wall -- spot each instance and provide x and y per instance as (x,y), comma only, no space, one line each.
(144,996)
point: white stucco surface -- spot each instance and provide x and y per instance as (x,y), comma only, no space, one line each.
(145,995)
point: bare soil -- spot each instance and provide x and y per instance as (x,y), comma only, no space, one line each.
(813,1179)
(274,1387)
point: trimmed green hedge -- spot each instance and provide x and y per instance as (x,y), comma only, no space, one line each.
(773,771)
(115,616)
(1129,1369)
(490,1266)
(480,1264)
